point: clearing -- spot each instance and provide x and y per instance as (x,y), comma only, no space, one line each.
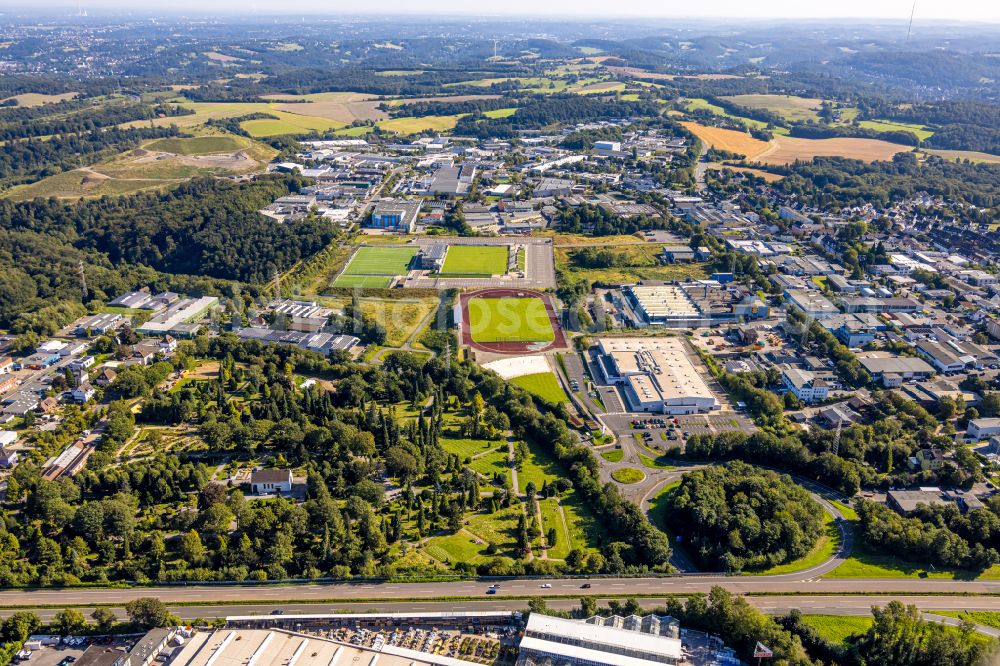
(962,155)
(468,260)
(37,99)
(399,316)
(509,320)
(413,125)
(920,131)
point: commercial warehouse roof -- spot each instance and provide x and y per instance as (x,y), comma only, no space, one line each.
(663,365)
(598,644)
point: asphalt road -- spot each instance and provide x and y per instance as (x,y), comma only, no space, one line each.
(787,584)
(821,605)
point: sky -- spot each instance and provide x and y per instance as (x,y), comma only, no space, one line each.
(956,10)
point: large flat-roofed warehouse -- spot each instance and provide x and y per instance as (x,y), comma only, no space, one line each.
(554,640)
(657,374)
(664,305)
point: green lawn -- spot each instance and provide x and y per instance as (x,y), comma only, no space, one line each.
(628,475)
(837,628)
(985,618)
(538,466)
(551,519)
(864,564)
(475,260)
(614,455)
(542,384)
(849,513)
(455,548)
(467,448)
(381,261)
(585,530)
(509,320)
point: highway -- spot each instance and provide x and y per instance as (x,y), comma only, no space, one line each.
(788,584)
(859,605)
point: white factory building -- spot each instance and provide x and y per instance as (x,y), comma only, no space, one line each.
(554,640)
(657,375)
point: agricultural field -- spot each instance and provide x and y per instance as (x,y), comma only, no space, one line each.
(509,320)
(787,149)
(542,384)
(28,100)
(501,113)
(344,107)
(413,125)
(791,108)
(374,267)
(467,260)
(962,155)
(729,140)
(920,131)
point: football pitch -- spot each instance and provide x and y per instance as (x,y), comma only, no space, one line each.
(509,320)
(373,267)
(475,260)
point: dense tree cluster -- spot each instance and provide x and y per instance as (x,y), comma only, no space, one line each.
(737,517)
(941,536)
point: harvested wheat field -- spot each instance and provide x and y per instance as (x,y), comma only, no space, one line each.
(787,149)
(729,140)
(766,175)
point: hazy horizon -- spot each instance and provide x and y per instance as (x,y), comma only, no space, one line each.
(925,10)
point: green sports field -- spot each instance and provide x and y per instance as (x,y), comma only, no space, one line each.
(544,385)
(475,260)
(509,320)
(373,267)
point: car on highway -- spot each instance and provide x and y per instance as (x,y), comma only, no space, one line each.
(585,586)
(491,590)
(546,586)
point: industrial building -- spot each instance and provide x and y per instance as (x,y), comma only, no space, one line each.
(177,320)
(553,640)
(657,375)
(399,215)
(663,305)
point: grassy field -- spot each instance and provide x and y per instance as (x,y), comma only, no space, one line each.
(633,262)
(538,466)
(697,103)
(794,109)
(467,448)
(551,519)
(892,126)
(628,475)
(399,316)
(614,455)
(766,175)
(510,320)
(288,124)
(849,513)
(198,145)
(501,113)
(542,384)
(37,99)
(585,530)
(838,628)
(362,282)
(985,618)
(864,564)
(79,183)
(962,155)
(475,260)
(413,125)
(381,261)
